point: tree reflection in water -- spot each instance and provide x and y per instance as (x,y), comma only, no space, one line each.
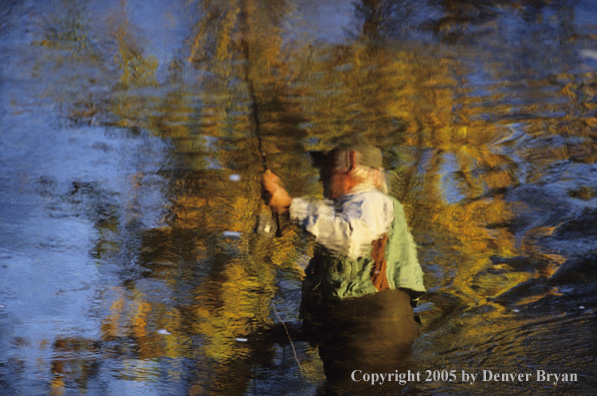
(486,114)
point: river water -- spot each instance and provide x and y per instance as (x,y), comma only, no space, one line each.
(133,136)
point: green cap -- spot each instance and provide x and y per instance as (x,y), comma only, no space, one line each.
(367,155)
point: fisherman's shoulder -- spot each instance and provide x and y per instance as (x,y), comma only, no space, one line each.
(381,199)
(370,201)
(371,195)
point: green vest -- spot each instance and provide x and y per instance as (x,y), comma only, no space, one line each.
(343,278)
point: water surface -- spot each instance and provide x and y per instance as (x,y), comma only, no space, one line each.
(133,138)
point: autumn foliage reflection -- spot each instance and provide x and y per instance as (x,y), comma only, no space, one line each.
(446,162)
(247,95)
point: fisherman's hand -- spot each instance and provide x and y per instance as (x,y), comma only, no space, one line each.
(274,195)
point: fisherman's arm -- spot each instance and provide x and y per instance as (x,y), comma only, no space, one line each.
(349,231)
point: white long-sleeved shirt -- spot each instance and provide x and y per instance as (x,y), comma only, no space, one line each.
(348,225)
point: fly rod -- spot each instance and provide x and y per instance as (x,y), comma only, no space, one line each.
(268,225)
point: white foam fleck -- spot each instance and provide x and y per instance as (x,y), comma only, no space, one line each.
(587,53)
(231,234)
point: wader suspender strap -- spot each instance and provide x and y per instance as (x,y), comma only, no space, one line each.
(378,271)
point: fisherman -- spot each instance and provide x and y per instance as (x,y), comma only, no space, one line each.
(364,274)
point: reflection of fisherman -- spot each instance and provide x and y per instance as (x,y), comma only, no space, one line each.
(364,275)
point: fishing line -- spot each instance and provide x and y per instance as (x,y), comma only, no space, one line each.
(268,225)
(291,343)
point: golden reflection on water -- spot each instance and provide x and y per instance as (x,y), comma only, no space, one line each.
(448,156)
